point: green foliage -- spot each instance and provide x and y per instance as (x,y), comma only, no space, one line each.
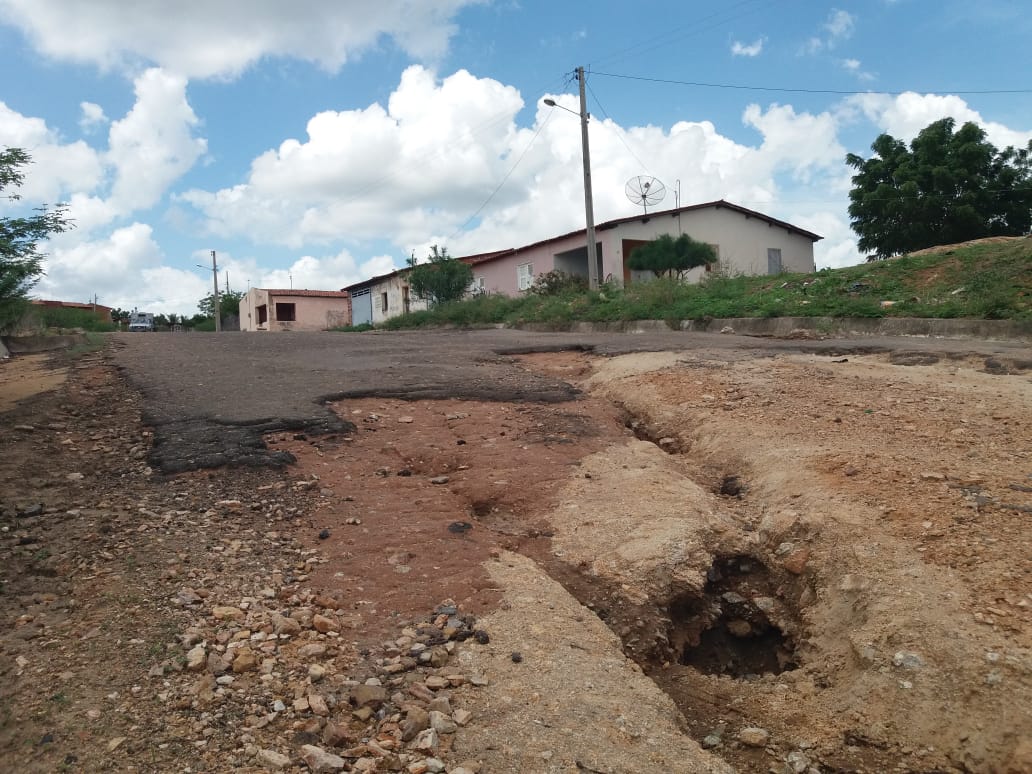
(21,262)
(981,281)
(479,310)
(558,283)
(669,257)
(947,187)
(361,328)
(65,317)
(229,304)
(441,279)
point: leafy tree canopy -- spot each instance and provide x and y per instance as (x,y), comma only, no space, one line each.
(21,262)
(441,279)
(947,187)
(671,257)
(229,304)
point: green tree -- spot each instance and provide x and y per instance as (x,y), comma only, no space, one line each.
(441,279)
(671,257)
(946,187)
(229,304)
(21,262)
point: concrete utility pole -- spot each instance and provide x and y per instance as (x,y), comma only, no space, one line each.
(215,282)
(589,209)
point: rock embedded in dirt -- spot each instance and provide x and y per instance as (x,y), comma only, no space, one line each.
(907,660)
(368,695)
(753,736)
(323,624)
(319,760)
(196,658)
(273,760)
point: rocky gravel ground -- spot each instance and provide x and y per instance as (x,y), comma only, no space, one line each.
(161,624)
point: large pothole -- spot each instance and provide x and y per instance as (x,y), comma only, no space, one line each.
(736,626)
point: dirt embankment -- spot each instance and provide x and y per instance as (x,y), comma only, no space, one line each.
(700,563)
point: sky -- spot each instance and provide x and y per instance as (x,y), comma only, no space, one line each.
(314,144)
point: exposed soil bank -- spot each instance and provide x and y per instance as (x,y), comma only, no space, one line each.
(817,327)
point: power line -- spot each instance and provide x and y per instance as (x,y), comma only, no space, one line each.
(504,179)
(692,27)
(795,90)
(619,135)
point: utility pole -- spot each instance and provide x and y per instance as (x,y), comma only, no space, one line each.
(589,210)
(215,282)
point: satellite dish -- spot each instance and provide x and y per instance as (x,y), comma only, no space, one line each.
(645,191)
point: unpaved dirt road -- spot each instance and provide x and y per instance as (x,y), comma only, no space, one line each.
(678,553)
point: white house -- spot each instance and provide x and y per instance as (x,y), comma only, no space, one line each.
(746,242)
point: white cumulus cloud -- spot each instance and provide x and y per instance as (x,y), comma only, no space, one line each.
(57,168)
(747,49)
(837,28)
(154,144)
(92,116)
(200,38)
(904,115)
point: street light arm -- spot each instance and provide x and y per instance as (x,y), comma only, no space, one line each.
(589,208)
(553,103)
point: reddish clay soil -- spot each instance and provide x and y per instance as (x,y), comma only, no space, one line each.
(831,550)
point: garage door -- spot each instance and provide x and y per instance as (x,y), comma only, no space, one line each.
(362,307)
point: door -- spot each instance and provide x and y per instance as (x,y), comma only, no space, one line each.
(773,260)
(362,307)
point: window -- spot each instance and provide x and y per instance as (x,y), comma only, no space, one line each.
(716,252)
(383,302)
(286,312)
(524,276)
(774,260)
(476,287)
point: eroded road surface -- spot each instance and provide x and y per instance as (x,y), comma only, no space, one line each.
(503,551)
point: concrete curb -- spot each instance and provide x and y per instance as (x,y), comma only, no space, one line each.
(807,327)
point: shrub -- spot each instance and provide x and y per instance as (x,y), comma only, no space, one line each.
(558,283)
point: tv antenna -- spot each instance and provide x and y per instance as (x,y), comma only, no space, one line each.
(645,191)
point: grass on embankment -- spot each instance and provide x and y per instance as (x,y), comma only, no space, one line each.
(985,280)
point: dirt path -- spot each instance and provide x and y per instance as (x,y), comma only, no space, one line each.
(703,560)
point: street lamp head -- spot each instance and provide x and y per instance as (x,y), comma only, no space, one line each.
(550,102)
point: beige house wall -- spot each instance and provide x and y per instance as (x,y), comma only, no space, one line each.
(389,297)
(311,313)
(742,243)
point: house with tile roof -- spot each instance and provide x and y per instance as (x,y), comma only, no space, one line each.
(746,242)
(265,309)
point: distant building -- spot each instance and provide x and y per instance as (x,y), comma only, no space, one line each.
(263,309)
(746,242)
(102,312)
(388,295)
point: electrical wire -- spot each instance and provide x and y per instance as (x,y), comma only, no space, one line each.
(498,188)
(690,28)
(795,90)
(619,134)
